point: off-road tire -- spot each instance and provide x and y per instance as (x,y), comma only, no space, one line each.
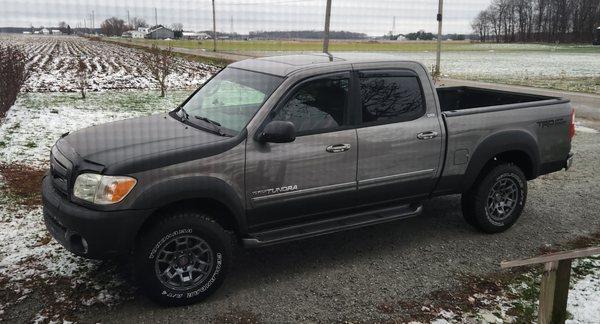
(183,225)
(475,202)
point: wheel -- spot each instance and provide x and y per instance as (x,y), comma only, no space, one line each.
(182,259)
(496,201)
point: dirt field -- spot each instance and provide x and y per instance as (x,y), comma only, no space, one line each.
(53,65)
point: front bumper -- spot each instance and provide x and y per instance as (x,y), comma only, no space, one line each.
(90,233)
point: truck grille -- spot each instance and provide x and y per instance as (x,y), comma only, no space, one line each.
(60,169)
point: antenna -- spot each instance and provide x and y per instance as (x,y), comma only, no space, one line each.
(326,29)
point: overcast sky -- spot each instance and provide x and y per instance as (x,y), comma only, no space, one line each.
(373,17)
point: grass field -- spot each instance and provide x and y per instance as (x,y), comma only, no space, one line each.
(365,46)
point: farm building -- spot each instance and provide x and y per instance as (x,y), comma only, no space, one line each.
(160,32)
(56,32)
(45,31)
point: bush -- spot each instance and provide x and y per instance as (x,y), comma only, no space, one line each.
(13,74)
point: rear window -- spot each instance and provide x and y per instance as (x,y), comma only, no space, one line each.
(391,99)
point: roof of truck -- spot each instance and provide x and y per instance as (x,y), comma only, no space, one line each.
(286,64)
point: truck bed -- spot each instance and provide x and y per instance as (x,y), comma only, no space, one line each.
(517,120)
(462,98)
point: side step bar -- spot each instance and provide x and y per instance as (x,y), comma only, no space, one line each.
(331,225)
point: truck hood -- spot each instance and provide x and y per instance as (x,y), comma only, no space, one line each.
(142,143)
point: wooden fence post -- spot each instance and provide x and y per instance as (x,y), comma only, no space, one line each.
(554,292)
(561,292)
(554,289)
(547,287)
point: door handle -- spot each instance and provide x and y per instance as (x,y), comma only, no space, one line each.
(337,148)
(427,135)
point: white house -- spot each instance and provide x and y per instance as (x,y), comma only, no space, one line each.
(56,32)
(134,34)
(45,31)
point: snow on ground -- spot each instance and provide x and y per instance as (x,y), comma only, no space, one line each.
(509,305)
(33,263)
(37,120)
(584,295)
(53,65)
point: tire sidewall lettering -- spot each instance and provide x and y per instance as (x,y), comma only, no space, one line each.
(206,285)
(167,237)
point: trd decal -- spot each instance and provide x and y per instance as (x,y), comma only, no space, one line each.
(551,122)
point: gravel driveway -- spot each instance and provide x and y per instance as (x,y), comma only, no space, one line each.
(346,275)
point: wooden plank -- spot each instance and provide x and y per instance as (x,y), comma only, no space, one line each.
(567,255)
(561,291)
(547,288)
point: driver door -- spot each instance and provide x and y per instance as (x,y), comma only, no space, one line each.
(313,175)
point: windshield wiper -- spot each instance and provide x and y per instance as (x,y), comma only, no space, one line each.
(208,120)
(216,124)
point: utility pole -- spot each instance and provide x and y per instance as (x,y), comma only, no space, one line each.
(128,19)
(93,22)
(439,38)
(326,31)
(155,17)
(214,28)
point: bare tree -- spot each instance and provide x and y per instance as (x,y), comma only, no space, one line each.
(113,27)
(540,20)
(160,63)
(137,22)
(82,75)
(62,26)
(177,26)
(13,74)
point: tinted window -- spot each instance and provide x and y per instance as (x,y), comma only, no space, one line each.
(391,99)
(318,105)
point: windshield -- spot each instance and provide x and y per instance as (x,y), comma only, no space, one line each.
(230,99)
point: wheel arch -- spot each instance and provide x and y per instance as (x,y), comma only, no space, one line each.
(207,194)
(518,147)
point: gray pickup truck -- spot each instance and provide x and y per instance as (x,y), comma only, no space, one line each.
(283,148)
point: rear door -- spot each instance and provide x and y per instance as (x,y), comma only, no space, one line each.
(399,137)
(316,173)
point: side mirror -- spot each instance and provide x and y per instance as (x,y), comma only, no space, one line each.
(278,132)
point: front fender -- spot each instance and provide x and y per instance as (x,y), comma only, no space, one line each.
(172,190)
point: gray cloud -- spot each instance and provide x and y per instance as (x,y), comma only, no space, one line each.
(373,17)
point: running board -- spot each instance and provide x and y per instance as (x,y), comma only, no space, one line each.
(331,225)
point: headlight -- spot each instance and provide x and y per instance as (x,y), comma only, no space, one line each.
(102,190)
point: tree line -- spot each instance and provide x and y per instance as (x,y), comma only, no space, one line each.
(114,26)
(305,34)
(538,21)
